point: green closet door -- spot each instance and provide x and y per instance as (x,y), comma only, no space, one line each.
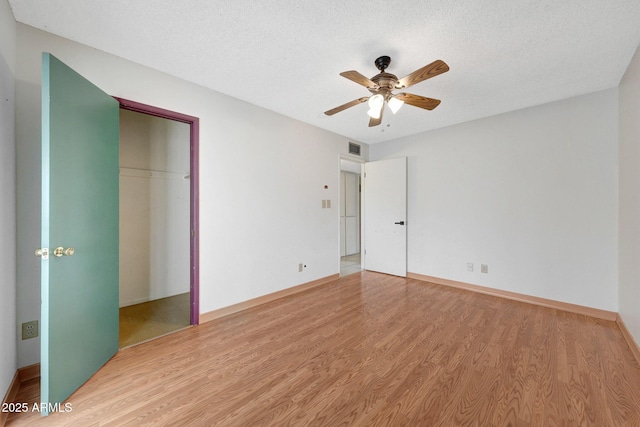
(79,313)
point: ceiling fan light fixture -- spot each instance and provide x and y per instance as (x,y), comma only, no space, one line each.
(376,102)
(374,114)
(395,104)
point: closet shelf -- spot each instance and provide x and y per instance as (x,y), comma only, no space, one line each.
(147,173)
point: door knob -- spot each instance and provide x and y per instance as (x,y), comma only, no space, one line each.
(60,251)
(399,223)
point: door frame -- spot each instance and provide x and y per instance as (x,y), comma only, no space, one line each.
(361,162)
(194,246)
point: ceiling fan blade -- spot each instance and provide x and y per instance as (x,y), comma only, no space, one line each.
(355,76)
(345,106)
(376,122)
(418,101)
(435,68)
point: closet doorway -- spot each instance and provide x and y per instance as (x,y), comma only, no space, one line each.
(157,226)
(350,208)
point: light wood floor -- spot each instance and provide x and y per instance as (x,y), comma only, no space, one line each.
(368,350)
(141,322)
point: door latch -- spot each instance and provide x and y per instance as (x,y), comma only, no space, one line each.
(399,223)
(43,252)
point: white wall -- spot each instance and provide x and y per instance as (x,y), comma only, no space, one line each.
(154,207)
(8,329)
(629,297)
(28,183)
(262,178)
(531,193)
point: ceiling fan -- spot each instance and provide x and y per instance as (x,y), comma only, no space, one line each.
(382,85)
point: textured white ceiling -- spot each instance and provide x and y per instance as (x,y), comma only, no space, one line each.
(286,55)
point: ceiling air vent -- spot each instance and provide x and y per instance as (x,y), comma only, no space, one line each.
(354,149)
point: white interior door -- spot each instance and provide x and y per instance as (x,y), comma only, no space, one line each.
(385,216)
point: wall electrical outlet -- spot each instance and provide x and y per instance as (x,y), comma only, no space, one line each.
(29,329)
(300,267)
(484,268)
(469,266)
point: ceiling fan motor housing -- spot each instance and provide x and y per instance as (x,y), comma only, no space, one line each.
(386,81)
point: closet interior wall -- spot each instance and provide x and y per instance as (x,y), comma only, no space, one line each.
(154,208)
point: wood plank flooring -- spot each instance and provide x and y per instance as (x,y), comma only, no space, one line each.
(370,350)
(141,322)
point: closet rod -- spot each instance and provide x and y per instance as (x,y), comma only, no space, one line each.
(147,173)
